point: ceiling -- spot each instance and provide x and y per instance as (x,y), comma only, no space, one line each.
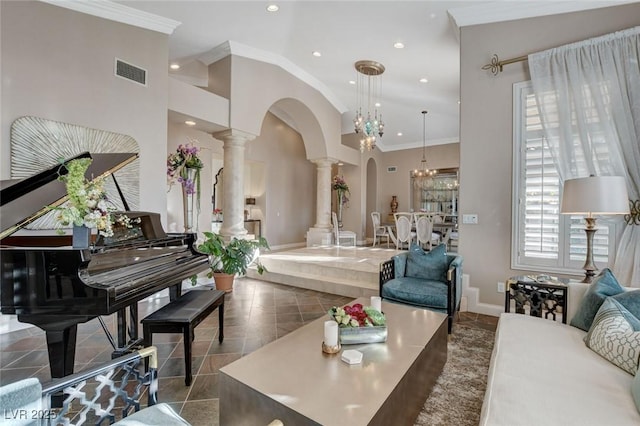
(345,32)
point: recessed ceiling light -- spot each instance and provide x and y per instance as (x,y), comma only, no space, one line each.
(273,8)
(432,15)
(190,123)
(316,53)
(398,45)
(399,133)
(377,104)
(458,102)
(352,82)
(174,66)
(424,80)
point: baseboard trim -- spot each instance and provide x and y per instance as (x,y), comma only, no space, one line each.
(471,296)
(287,246)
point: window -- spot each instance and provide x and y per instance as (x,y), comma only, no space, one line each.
(544,239)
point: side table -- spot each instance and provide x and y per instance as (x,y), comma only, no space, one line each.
(541,292)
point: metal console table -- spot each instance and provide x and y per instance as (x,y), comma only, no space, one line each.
(541,293)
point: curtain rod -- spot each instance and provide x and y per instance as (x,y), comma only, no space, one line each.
(495,66)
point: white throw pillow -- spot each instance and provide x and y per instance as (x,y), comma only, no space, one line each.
(614,336)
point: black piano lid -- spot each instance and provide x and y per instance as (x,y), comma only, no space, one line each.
(25,200)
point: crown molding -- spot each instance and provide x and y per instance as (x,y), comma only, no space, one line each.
(231,47)
(411,145)
(116,12)
(499,11)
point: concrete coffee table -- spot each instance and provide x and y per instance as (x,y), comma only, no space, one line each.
(292,380)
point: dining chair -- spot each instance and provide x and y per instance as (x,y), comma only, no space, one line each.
(379,231)
(437,218)
(425,237)
(341,234)
(404,236)
(450,238)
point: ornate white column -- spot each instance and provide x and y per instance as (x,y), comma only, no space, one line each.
(320,233)
(233,183)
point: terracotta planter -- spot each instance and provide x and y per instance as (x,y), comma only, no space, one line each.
(223,281)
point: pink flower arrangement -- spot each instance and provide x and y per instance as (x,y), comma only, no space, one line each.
(178,164)
(340,185)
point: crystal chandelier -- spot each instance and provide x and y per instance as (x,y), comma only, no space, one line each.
(423,171)
(368,88)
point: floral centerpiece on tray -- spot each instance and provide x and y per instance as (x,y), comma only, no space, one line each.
(359,324)
(357,316)
(184,167)
(88,204)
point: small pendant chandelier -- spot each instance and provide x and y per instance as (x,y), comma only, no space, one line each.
(368,73)
(423,171)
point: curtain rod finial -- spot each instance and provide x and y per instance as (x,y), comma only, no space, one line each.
(494,66)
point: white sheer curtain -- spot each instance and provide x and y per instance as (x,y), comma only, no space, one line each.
(589,99)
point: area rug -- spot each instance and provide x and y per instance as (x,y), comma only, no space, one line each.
(456,398)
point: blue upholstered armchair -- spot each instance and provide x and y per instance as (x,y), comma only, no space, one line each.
(431,280)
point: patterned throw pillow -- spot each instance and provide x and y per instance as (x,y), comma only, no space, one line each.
(614,335)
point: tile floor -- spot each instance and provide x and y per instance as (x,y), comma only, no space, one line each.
(256,313)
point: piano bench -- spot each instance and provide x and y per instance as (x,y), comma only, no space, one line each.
(182,316)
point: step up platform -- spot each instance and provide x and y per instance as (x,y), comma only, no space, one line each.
(346,271)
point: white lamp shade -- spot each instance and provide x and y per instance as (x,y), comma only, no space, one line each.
(595,195)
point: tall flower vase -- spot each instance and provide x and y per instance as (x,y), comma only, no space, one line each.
(394,204)
(188,199)
(81,237)
(339,208)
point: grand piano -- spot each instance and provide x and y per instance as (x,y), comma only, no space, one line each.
(47,283)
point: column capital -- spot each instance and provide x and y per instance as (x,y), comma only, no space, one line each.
(234,135)
(324,162)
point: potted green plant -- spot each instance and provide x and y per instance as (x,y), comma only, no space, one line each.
(228,259)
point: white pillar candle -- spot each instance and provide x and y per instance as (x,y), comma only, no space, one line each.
(376,303)
(331,333)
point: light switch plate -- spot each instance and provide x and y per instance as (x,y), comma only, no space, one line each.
(470,219)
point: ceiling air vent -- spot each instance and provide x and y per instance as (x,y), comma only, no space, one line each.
(131,72)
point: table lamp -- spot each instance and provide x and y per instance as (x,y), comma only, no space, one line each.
(594,195)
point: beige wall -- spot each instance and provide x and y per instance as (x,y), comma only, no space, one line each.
(397,183)
(257,86)
(486,128)
(59,64)
(219,74)
(289,198)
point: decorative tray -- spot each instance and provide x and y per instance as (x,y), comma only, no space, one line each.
(356,335)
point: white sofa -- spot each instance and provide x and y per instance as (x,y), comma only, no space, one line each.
(542,372)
